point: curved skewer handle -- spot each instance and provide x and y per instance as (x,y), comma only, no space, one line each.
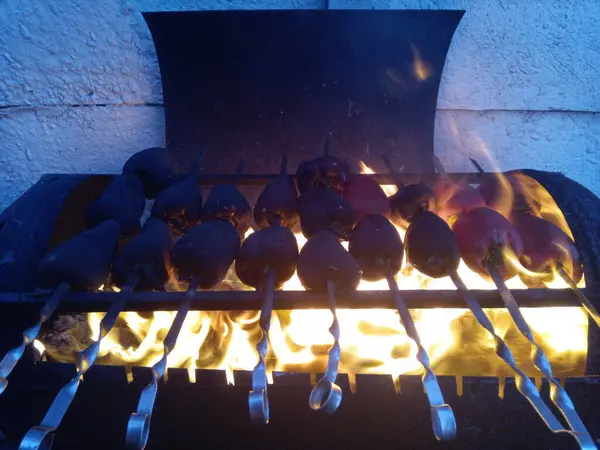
(11,359)
(524,384)
(442,417)
(41,436)
(326,396)
(258,401)
(138,428)
(558,395)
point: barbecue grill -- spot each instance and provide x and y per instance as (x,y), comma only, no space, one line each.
(252,84)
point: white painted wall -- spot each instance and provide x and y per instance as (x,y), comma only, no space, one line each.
(80,87)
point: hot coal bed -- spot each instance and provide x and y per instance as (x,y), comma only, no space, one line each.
(361,84)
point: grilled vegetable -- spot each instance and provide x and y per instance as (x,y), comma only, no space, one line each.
(324,259)
(205,253)
(327,210)
(279,200)
(83,261)
(365,196)
(431,246)
(180,204)
(545,247)
(145,256)
(323,172)
(410,200)
(274,247)
(123,201)
(484,235)
(454,198)
(151,167)
(377,246)
(226,202)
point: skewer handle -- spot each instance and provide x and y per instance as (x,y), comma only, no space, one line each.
(442,417)
(41,437)
(258,401)
(138,428)
(524,384)
(557,393)
(326,396)
(11,359)
(585,302)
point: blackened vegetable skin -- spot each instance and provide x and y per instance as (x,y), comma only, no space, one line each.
(545,246)
(278,199)
(366,196)
(83,261)
(323,258)
(431,246)
(325,210)
(409,202)
(226,202)
(377,246)
(122,201)
(324,172)
(480,233)
(147,256)
(205,253)
(274,247)
(151,167)
(180,204)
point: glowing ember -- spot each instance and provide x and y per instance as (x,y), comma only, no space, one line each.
(372,341)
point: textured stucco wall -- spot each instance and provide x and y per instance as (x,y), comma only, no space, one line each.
(80,88)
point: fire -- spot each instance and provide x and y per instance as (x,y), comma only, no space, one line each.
(421,68)
(372,341)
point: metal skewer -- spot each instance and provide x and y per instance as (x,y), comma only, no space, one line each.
(41,436)
(585,302)
(258,401)
(11,359)
(442,417)
(138,428)
(477,165)
(524,384)
(558,395)
(326,396)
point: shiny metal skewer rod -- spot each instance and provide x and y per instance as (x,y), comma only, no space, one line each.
(442,417)
(138,428)
(326,396)
(557,393)
(41,436)
(524,384)
(258,400)
(11,359)
(585,302)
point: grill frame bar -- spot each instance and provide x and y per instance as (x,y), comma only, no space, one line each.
(79,302)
